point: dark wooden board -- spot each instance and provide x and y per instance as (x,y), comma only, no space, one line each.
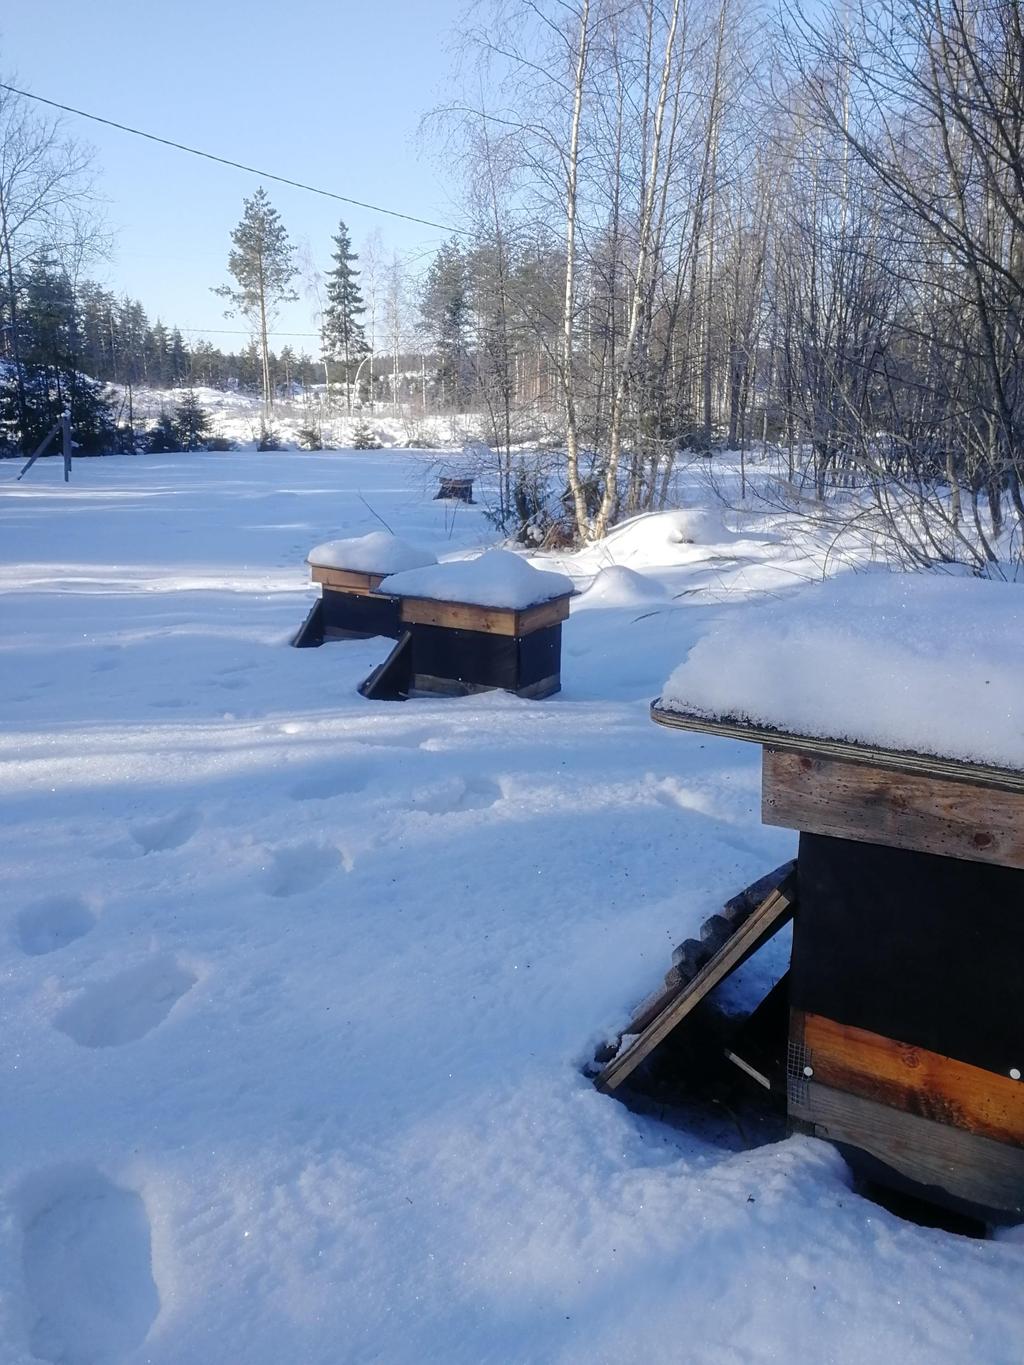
(364,614)
(912,946)
(1007,779)
(391,680)
(480,659)
(882,806)
(310,634)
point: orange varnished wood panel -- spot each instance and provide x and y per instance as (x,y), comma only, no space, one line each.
(912,1079)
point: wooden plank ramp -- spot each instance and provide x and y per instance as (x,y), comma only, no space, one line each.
(665,1012)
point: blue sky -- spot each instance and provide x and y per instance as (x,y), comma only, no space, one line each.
(329,93)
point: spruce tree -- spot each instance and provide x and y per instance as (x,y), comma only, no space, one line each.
(262,266)
(343,337)
(164,435)
(191,422)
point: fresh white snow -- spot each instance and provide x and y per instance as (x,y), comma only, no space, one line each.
(496,578)
(906,661)
(297,987)
(377,552)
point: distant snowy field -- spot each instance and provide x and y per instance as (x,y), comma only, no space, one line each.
(238,418)
(297,987)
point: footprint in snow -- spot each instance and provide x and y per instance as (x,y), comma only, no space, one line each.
(338,781)
(87,1264)
(127,1006)
(302,867)
(415,739)
(171,831)
(52,923)
(457,794)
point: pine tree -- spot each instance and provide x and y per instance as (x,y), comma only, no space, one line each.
(446,309)
(192,423)
(262,266)
(157,359)
(343,337)
(287,367)
(177,358)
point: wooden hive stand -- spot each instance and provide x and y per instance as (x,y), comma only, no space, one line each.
(906,1033)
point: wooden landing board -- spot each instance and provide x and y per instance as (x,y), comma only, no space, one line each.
(426,611)
(902,760)
(967,1167)
(770,916)
(346,580)
(391,680)
(909,1078)
(736,909)
(876,805)
(311,633)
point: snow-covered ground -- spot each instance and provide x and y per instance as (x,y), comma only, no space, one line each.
(238,417)
(298,987)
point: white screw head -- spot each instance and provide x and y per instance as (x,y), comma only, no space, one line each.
(1014,1073)
(808,1070)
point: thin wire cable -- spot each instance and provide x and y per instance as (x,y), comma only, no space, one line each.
(236,165)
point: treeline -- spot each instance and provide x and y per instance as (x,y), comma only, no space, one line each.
(699,225)
(112,339)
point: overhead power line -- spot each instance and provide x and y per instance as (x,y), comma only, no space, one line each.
(236,165)
(242,332)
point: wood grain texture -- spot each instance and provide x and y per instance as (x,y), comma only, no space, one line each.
(488,620)
(927,814)
(346,580)
(900,760)
(769,917)
(913,1079)
(967,1166)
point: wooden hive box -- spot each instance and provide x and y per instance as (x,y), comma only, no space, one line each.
(458,648)
(906,1034)
(349,572)
(351,607)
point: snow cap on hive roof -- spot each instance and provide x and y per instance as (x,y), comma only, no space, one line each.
(497,578)
(920,662)
(378,553)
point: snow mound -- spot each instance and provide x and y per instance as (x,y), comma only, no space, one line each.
(378,552)
(659,539)
(617,586)
(497,578)
(930,664)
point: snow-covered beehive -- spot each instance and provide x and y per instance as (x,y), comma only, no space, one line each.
(473,625)
(349,571)
(891,719)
